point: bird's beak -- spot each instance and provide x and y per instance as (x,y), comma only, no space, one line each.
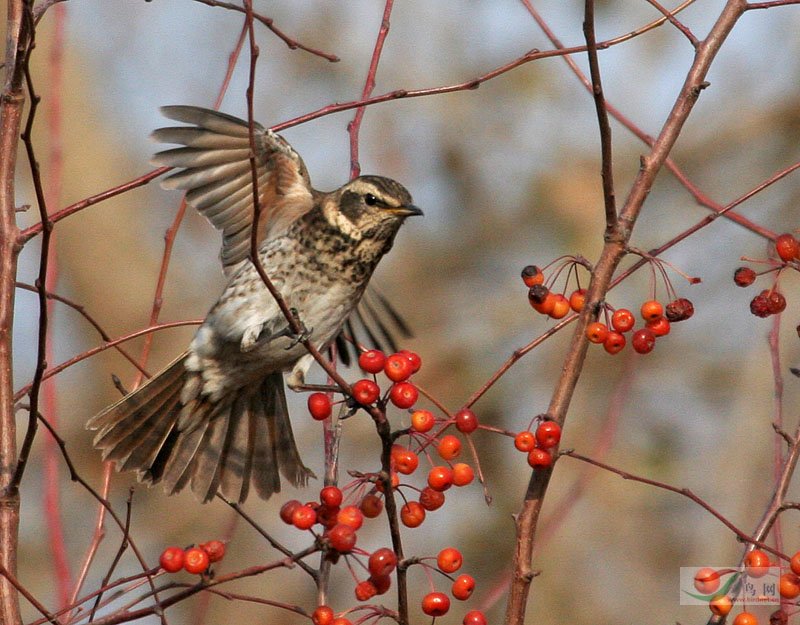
(407,211)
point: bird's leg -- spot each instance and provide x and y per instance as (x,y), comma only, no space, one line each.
(302,336)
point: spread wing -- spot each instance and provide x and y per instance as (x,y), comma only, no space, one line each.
(215,172)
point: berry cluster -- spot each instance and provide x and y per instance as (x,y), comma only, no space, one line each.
(756,565)
(771,301)
(426,433)
(195,560)
(657,322)
(397,367)
(538,446)
(611,334)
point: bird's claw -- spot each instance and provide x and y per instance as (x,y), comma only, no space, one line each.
(298,337)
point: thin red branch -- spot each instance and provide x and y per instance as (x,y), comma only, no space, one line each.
(369,85)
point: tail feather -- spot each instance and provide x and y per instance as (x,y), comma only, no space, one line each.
(180,439)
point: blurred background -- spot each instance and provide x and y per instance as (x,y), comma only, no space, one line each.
(508,175)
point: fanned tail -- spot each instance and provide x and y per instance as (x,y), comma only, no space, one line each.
(245,438)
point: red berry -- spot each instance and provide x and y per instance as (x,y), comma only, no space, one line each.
(365,590)
(196,561)
(331,496)
(342,621)
(776,302)
(431,499)
(342,538)
(327,516)
(463,587)
(404,394)
(744,276)
(449,560)
(372,361)
(404,460)
(466,421)
(548,434)
(351,516)
(539,458)
(659,327)
(304,517)
(614,343)
(643,341)
(398,368)
(171,559)
(323,615)
(422,420)
(525,441)
(597,332)
(215,550)
(787,246)
(366,392)
(474,617)
(449,447)
(371,506)
(679,310)
(622,320)
(382,583)
(435,604)
(382,562)
(440,478)
(462,474)
(319,405)
(413,358)
(560,307)
(759,306)
(287,510)
(412,514)
(577,300)
(651,310)
(532,275)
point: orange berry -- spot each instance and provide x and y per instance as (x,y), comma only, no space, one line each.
(342,621)
(322,615)
(412,514)
(398,368)
(577,300)
(404,460)
(449,447)
(440,478)
(789,586)
(352,516)
(651,310)
(745,618)
(525,441)
(422,420)
(597,332)
(720,605)
(462,474)
(756,563)
(196,560)
(794,563)
(449,560)
(560,307)
(304,517)
(532,275)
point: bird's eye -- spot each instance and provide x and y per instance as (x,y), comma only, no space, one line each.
(370,199)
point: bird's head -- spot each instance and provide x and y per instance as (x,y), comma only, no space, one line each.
(370,207)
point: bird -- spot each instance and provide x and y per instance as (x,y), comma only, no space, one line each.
(215,419)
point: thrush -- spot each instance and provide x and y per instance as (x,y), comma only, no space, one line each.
(216,419)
